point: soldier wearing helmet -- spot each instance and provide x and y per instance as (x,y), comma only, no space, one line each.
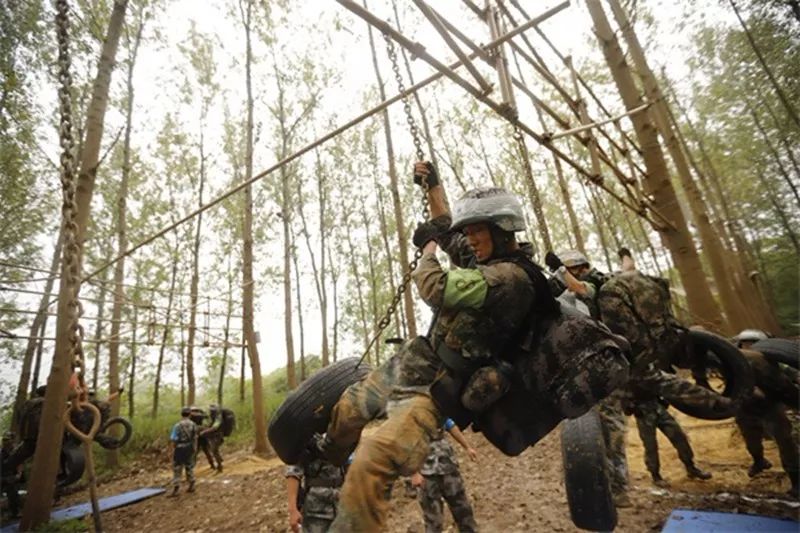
(577,275)
(481,306)
(747,337)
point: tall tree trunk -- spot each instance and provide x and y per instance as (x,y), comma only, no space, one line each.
(598,222)
(359,293)
(387,249)
(190,381)
(132,373)
(677,238)
(775,155)
(37,364)
(51,430)
(711,241)
(248,289)
(98,328)
(112,456)
(228,313)
(402,238)
(335,284)
(299,302)
(165,335)
(34,337)
(373,277)
(784,139)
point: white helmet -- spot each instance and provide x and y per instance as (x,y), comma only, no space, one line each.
(493,205)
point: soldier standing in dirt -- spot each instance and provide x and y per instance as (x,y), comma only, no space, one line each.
(638,307)
(312,488)
(184,443)
(211,438)
(573,271)
(439,478)
(765,410)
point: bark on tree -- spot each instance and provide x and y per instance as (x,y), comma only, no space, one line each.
(132,373)
(98,328)
(112,456)
(711,241)
(775,155)
(299,303)
(248,288)
(678,239)
(46,458)
(34,338)
(165,334)
(190,381)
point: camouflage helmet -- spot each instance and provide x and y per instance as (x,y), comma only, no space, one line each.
(493,205)
(186,410)
(750,335)
(573,258)
(213,408)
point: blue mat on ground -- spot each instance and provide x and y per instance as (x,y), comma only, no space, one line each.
(690,521)
(107,503)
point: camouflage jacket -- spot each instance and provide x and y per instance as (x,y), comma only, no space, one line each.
(637,307)
(321,482)
(184,433)
(442,458)
(481,309)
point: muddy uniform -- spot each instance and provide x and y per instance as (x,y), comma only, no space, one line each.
(765,411)
(210,442)
(184,435)
(480,310)
(443,481)
(321,482)
(637,306)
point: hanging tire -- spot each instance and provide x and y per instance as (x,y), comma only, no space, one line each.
(591,503)
(71,465)
(109,441)
(731,366)
(307,409)
(784,351)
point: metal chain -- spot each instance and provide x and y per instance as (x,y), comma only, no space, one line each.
(386,319)
(68,208)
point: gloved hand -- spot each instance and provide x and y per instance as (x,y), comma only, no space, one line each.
(430,230)
(426,169)
(624,252)
(121,389)
(552,261)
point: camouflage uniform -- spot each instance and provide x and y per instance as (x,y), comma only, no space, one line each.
(637,306)
(184,435)
(443,480)
(321,482)
(480,310)
(210,442)
(766,412)
(615,426)
(651,415)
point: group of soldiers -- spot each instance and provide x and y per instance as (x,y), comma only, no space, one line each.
(493,300)
(196,431)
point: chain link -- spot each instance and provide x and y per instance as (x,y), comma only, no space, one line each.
(69,208)
(386,319)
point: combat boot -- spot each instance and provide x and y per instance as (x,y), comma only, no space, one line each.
(695,473)
(174,492)
(487,385)
(659,481)
(191,486)
(758,466)
(219,468)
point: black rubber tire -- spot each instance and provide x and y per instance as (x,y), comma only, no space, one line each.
(109,442)
(591,503)
(733,367)
(307,409)
(71,464)
(784,351)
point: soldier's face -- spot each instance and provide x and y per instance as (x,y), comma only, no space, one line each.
(479,238)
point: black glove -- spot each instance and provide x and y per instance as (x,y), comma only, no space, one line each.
(121,389)
(552,261)
(430,230)
(624,252)
(433,176)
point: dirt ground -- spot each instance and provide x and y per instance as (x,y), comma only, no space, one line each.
(510,494)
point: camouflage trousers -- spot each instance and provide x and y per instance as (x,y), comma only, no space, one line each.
(755,419)
(652,415)
(360,403)
(183,461)
(397,448)
(449,488)
(210,444)
(615,426)
(316,525)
